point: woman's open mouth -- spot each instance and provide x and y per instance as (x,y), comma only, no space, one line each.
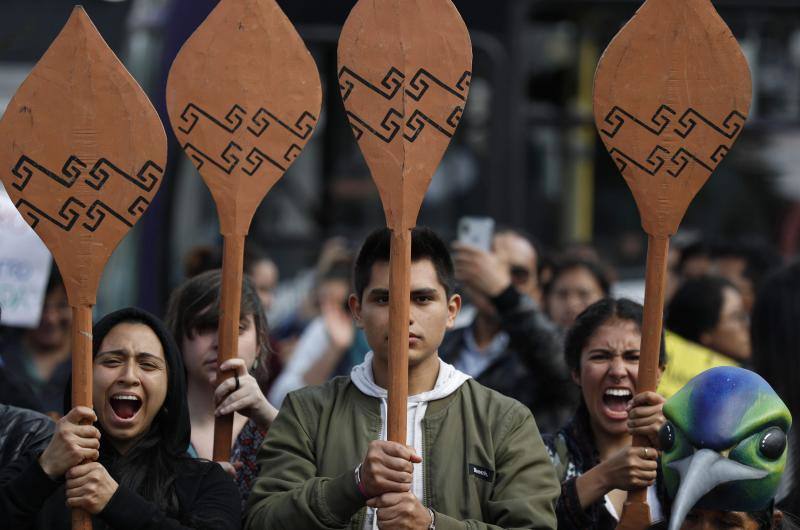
(125,406)
(615,401)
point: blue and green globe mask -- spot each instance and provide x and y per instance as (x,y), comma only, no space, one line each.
(724,444)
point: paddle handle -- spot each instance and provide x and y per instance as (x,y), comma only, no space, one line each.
(399,314)
(636,512)
(230,305)
(81,381)
(654,289)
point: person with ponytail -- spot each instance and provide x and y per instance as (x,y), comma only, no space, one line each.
(124,461)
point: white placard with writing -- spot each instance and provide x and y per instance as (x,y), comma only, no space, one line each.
(24,268)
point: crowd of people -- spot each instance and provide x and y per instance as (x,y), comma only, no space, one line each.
(523,370)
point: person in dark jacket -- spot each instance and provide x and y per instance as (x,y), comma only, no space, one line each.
(510,346)
(592,455)
(21,430)
(138,476)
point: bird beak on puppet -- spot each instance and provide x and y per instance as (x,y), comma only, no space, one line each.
(724,444)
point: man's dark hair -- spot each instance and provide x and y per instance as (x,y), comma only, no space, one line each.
(565,265)
(425,244)
(594,316)
(696,306)
(759,257)
(696,249)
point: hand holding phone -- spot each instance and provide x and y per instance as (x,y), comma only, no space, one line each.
(476,231)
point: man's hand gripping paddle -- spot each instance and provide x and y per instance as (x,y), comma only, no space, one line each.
(243,97)
(82,153)
(671,95)
(404,73)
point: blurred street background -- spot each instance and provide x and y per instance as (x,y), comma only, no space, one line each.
(526,153)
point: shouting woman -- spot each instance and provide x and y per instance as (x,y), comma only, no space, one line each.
(124,462)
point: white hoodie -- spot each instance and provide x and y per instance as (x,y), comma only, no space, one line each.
(448,381)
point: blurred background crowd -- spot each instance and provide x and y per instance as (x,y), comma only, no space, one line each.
(526,155)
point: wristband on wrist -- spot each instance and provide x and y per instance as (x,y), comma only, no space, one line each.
(359,484)
(433,520)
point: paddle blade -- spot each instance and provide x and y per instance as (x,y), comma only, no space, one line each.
(404,74)
(243,97)
(671,95)
(82,153)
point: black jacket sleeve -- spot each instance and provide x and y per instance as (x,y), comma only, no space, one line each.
(24,492)
(531,333)
(23,431)
(569,512)
(215,505)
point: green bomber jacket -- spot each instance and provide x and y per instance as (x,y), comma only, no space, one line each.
(485,466)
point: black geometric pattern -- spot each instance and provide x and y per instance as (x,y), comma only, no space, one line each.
(103,173)
(233,155)
(662,123)
(385,126)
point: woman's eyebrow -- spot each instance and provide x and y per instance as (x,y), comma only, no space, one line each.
(150,356)
(121,353)
(125,353)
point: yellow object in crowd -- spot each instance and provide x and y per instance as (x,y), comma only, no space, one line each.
(686,359)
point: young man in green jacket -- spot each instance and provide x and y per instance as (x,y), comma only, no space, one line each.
(474,458)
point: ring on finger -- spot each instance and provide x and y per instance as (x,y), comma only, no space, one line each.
(645,451)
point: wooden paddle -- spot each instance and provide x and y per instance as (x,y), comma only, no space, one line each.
(82,153)
(243,96)
(671,95)
(404,74)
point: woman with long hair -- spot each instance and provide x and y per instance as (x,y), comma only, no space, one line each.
(593,456)
(193,317)
(124,462)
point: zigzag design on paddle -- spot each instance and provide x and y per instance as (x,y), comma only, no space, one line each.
(68,212)
(231,155)
(653,160)
(391,124)
(657,158)
(392,82)
(720,153)
(145,178)
(200,158)
(255,158)
(97,213)
(417,123)
(661,119)
(419,84)
(389,87)
(191,115)
(302,127)
(71,171)
(682,159)
(617,117)
(71,210)
(730,126)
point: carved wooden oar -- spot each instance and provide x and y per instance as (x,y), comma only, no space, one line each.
(404,74)
(81,152)
(243,97)
(671,95)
